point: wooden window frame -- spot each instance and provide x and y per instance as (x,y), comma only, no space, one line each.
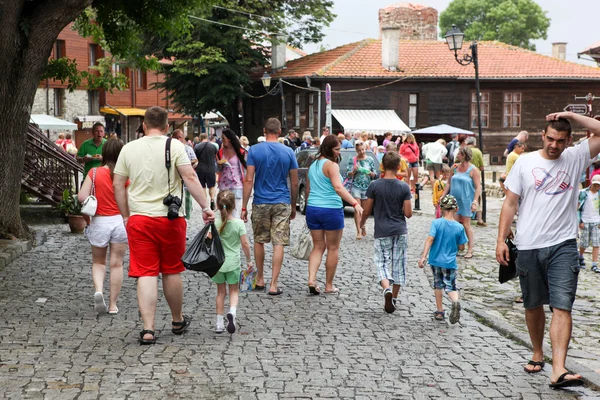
(413,109)
(142,80)
(485,109)
(60,49)
(512,119)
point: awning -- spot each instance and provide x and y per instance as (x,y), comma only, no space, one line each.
(88,121)
(371,121)
(443,129)
(126,111)
(46,122)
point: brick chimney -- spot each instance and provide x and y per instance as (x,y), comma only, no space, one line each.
(390,45)
(278,50)
(559,50)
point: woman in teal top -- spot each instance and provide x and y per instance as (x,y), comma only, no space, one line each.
(465,186)
(325,212)
(362,170)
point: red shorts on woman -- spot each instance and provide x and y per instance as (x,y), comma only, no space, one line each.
(156,245)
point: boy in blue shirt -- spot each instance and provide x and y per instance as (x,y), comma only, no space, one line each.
(446,237)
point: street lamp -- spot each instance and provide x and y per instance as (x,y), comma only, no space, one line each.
(455,38)
(277,90)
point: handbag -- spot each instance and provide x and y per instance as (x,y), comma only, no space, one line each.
(508,272)
(248,279)
(349,179)
(90,204)
(205,252)
(303,245)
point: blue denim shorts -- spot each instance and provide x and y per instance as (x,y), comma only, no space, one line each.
(326,219)
(549,275)
(413,164)
(444,278)
(358,193)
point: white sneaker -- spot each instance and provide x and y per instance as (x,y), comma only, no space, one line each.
(230,323)
(220,328)
(99,304)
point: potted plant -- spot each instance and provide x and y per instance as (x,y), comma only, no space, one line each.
(71,206)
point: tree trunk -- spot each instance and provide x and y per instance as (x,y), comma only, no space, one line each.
(28,31)
(233,117)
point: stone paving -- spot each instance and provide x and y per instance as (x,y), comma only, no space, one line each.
(480,286)
(53,346)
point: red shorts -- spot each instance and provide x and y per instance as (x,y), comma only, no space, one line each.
(156,245)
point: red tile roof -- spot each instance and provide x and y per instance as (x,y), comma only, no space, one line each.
(433,60)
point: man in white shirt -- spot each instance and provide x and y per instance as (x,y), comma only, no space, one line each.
(434,153)
(324,133)
(543,187)
(156,229)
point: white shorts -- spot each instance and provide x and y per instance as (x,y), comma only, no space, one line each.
(104,230)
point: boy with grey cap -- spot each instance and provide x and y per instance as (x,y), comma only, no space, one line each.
(446,237)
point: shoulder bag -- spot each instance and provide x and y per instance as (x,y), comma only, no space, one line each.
(90,204)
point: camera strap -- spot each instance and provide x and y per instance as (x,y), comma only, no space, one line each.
(168,162)
(168,165)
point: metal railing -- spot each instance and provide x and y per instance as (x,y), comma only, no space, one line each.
(48,169)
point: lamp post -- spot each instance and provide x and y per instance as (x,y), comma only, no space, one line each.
(277,90)
(454,38)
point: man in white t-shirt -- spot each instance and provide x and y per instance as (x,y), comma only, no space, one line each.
(324,133)
(155,228)
(588,210)
(544,186)
(434,153)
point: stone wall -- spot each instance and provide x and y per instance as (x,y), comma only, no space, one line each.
(415,21)
(74,104)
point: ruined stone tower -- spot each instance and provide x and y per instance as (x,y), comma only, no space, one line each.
(415,21)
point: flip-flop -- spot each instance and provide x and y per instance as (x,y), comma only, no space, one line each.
(534,364)
(334,291)
(147,341)
(113,312)
(258,288)
(314,290)
(468,255)
(276,293)
(563,383)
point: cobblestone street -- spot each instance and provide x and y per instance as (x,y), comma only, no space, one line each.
(52,344)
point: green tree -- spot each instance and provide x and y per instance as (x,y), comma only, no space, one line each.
(28,30)
(213,66)
(516,22)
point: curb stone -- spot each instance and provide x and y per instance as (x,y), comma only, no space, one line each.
(590,377)
(10,250)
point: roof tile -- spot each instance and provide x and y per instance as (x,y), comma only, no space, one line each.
(432,59)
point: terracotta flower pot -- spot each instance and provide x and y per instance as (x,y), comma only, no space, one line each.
(76,223)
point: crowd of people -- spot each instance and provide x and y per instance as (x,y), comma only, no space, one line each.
(136,186)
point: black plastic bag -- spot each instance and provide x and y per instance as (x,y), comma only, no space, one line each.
(508,272)
(205,254)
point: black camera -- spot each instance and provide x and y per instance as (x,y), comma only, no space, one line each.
(174,204)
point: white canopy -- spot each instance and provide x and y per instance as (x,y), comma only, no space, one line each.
(46,122)
(443,129)
(371,121)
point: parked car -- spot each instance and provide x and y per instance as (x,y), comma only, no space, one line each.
(306,157)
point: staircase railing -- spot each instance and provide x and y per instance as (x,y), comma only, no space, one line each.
(48,169)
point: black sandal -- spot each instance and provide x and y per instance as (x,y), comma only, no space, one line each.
(182,325)
(534,364)
(147,341)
